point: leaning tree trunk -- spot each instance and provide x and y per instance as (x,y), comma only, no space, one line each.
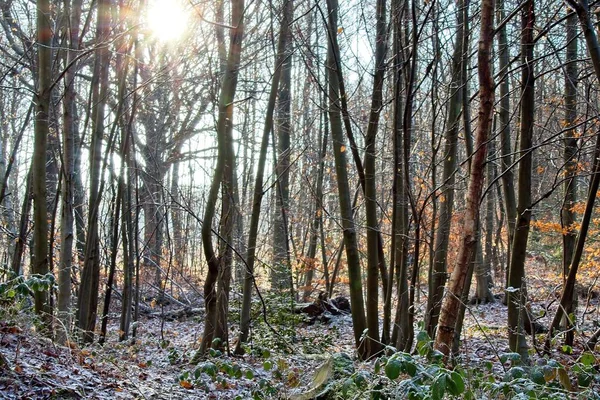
(258,185)
(468,243)
(581,8)
(348,226)
(224,122)
(438,270)
(516,291)
(41,132)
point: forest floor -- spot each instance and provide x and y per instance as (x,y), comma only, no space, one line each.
(156,365)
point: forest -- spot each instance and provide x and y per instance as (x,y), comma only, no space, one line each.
(299,199)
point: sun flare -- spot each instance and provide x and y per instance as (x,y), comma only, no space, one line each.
(167,19)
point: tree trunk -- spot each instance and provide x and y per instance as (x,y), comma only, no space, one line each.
(41,133)
(317,223)
(87,301)
(281,278)
(258,185)
(372,221)
(516,292)
(438,274)
(400,222)
(339,148)
(582,10)
(483,266)
(570,152)
(224,127)
(504,114)
(73,11)
(468,243)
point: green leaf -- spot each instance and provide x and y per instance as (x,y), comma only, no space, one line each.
(567,349)
(587,359)
(584,379)
(438,388)
(455,383)
(210,369)
(249,374)
(410,368)
(516,372)
(537,376)
(267,365)
(393,368)
(377,366)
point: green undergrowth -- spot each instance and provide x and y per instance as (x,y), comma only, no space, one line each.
(398,375)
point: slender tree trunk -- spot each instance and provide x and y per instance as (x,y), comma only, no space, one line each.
(87,301)
(317,223)
(581,8)
(73,11)
(437,279)
(508,180)
(400,223)
(483,266)
(516,292)
(224,128)
(42,130)
(468,243)
(347,218)
(570,152)
(374,345)
(258,185)
(281,278)
(17,265)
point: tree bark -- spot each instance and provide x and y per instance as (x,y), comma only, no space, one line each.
(468,243)
(347,218)
(581,8)
(281,278)
(41,133)
(258,185)
(73,12)
(438,274)
(224,127)
(516,291)
(570,152)
(508,180)
(87,302)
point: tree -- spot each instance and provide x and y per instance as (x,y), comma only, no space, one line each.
(222,177)
(468,241)
(570,160)
(581,8)
(258,185)
(87,301)
(516,293)
(73,13)
(282,274)
(339,150)
(438,273)
(370,182)
(42,130)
